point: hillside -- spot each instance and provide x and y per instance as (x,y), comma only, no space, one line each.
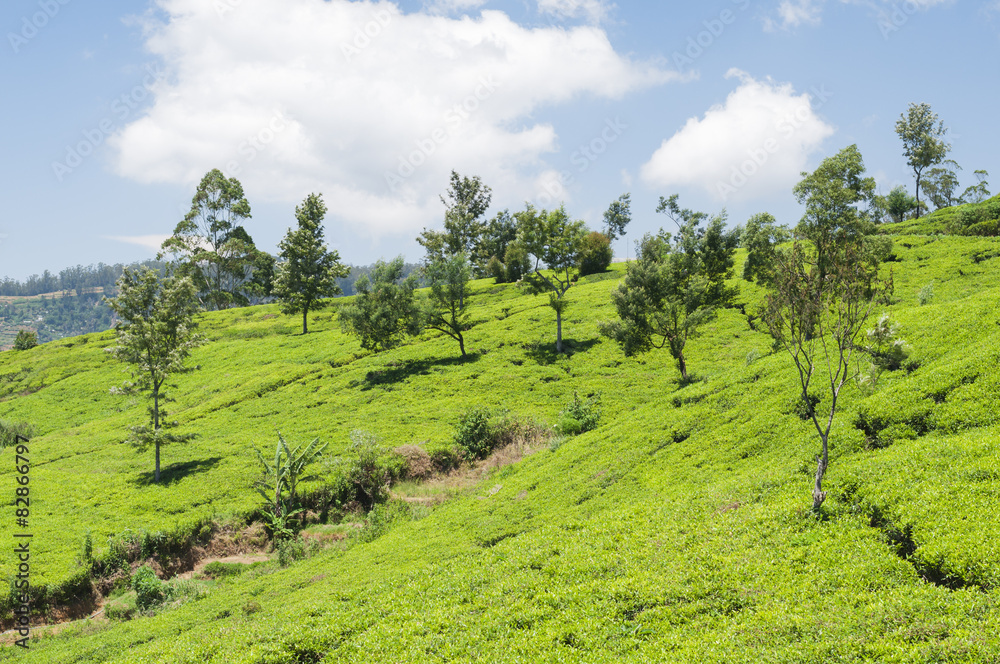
(678,530)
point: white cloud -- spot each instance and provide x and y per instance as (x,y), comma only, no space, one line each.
(755,144)
(151,242)
(794,13)
(359,101)
(593,10)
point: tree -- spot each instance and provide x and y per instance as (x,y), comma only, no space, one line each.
(898,203)
(466,201)
(383,311)
(447,309)
(310,271)
(279,481)
(210,243)
(940,183)
(841,205)
(707,251)
(978,192)
(665,296)
(595,253)
(617,217)
(25,340)
(761,238)
(155,335)
(818,316)
(921,132)
(554,241)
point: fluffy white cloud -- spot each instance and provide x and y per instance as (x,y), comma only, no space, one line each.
(755,144)
(369,105)
(454,6)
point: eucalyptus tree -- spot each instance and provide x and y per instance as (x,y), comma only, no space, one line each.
(923,146)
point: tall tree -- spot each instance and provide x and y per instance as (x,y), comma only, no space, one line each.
(923,146)
(447,306)
(309,271)
(210,243)
(155,334)
(383,311)
(617,217)
(819,318)
(554,240)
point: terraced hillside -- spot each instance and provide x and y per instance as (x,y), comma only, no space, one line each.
(677,530)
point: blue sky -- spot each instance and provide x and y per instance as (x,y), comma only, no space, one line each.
(115,110)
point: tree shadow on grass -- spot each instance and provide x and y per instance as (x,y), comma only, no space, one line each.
(175,472)
(397,372)
(545,353)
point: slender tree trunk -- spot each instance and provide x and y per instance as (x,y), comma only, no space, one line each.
(682,365)
(461,343)
(559,344)
(156,429)
(305,329)
(821,463)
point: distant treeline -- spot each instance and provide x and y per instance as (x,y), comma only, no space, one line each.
(76,279)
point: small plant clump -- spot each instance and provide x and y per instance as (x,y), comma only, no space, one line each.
(579,416)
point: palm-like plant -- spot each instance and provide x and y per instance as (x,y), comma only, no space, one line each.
(279,481)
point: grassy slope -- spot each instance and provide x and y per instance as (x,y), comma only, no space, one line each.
(676,531)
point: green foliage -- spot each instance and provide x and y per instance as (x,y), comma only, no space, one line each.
(366,471)
(673,287)
(475,432)
(617,217)
(555,242)
(279,483)
(926,294)
(309,271)
(384,310)
(899,203)
(980,191)
(921,131)
(939,184)
(289,550)
(149,590)
(595,253)
(760,238)
(155,335)
(383,518)
(11,433)
(26,340)
(447,308)
(210,244)
(580,416)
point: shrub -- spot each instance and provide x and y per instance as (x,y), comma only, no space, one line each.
(579,416)
(149,590)
(926,294)
(25,339)
(290,550)
(474,432)
(495,268)
(445,457)
(366,472)
(9,431)
(516,261)
(595,253)
(381,519)
(417,461)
